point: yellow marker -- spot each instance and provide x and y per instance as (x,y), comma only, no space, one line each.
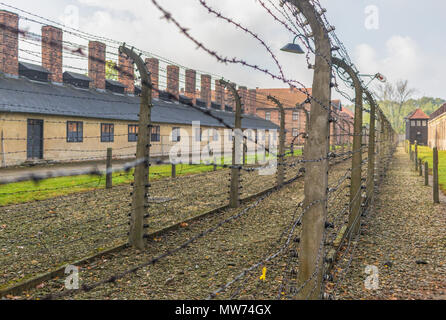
(263,276)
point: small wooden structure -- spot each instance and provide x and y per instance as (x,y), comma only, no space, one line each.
(417,127)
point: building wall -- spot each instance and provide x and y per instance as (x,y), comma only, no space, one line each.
(418,133)
(289,98)
(13,144)
(437,132)
(290,124)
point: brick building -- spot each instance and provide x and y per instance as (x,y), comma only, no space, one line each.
(295,119)
(50,115)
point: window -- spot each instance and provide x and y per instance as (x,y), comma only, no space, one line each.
(424,123)
(268,115)
(413,123)
(107,132)
(229,135)
(215,137)
(74,131)
(155,134)
(295,132)
(295,115)
(176,135)
(418,123)
(133,132)
(198,134)
(274,135)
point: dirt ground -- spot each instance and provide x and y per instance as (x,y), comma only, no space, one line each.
(38,236)
(198,269)
(404,238)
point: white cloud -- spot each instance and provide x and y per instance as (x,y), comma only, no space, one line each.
(139,24)
(403,59)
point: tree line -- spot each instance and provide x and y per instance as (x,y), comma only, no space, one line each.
(397,102)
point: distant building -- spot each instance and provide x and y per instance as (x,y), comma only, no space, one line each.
(295,119)
(47,115)
(417,127)
(437,128)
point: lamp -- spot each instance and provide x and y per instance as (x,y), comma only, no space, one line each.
(293,47)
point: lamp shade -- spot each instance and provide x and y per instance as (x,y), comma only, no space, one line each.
(293,48)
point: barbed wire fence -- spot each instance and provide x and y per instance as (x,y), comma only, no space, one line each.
(341,200)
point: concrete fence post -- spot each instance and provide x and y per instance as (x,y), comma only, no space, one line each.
(416,156)
(436,188)
(420,167)
(108,165)
(245,149)
(3,150)
(311,261)
(237,143)
(174,170)
(281,156)
(140,201)
(355,187)
(371,142)
(426,173)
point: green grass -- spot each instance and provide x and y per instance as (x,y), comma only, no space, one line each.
(21,192)
(426,154)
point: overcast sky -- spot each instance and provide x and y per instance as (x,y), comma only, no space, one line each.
(406,42)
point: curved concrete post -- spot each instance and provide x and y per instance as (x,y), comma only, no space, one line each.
(355,188)
(281,155)
(237,142)
(311,264)
(140,199)
(371,155)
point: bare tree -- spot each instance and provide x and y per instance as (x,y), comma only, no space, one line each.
(402,93)
(393,98)
(386,94)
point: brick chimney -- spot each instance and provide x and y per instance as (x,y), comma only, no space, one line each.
(52,52)
(153,67)
(126,73)
(96,64)
(229,99)
(173,80)
(243,93)
(252,101)
(205,92)
(220,94)
(9,43)
(191,84)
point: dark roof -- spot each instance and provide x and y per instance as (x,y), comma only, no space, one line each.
(76,76)
(115,83)
(438,112)
(24,96)
(32,67)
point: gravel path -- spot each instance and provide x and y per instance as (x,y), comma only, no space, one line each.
(405,238)
(38,236)
(209,262)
